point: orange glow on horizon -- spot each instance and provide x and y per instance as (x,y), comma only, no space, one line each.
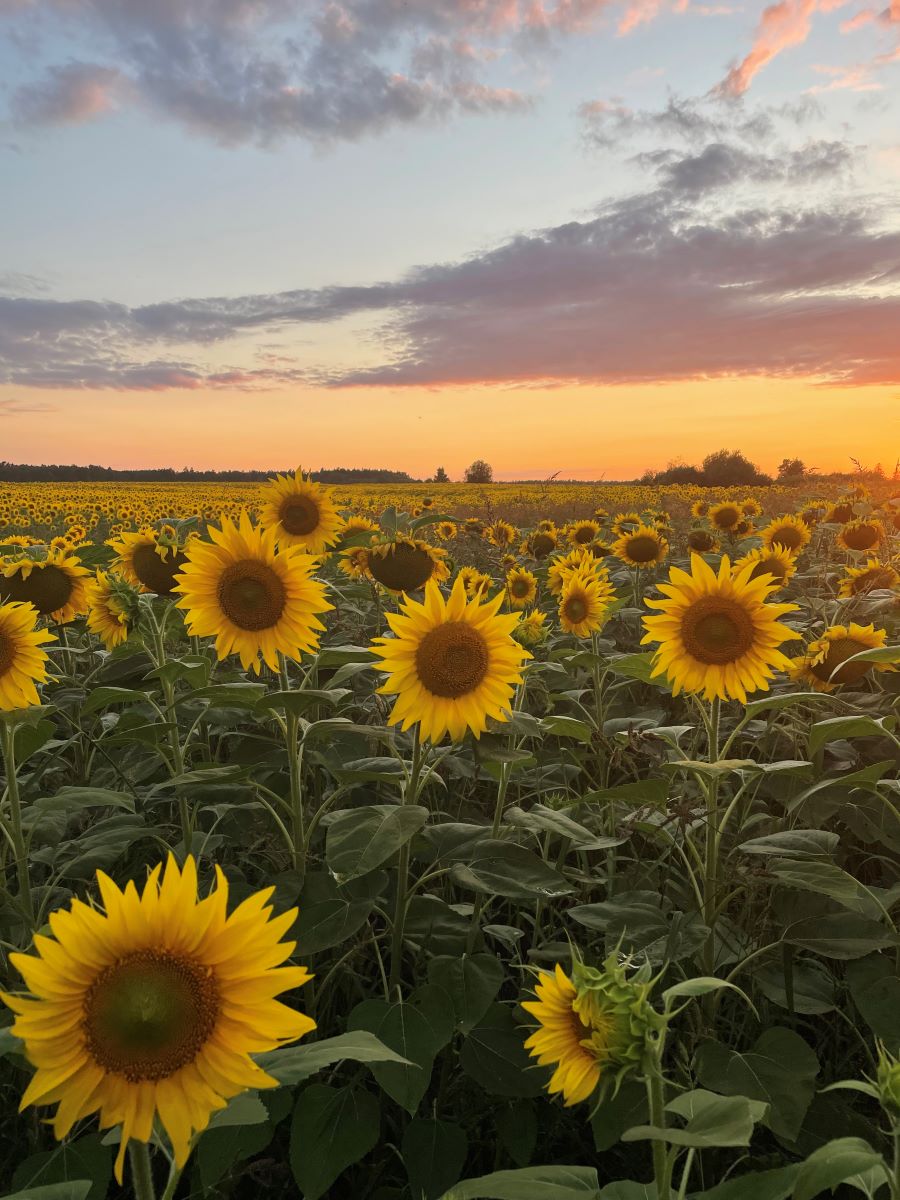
(526,432)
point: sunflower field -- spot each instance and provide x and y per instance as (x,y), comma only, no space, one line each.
(516,842)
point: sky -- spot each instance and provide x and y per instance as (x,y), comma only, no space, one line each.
(579,236)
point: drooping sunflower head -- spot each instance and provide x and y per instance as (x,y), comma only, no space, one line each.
(521,587)
(301,512)
(811,514)
(147,561)
(862,535)
(255,599)
(825,664)
(406,564)
(540,543)
(152,1006)
(452,663)
(584,602)
(716,634)
(776,561)
(643,547)
(701,541)
(54,584)
(22,661)
(699,509)
(840,513)
(594,1027)
(725,516)
(874,576)
(790,532)
(582,533)
(113,608)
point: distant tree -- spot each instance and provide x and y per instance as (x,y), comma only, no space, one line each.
(480,472)
(727,468)
(791,468)
(441,476)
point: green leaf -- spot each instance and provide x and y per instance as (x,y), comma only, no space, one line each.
(294,1064)
(794,843)
(571,727)
(494,1056)
(635,666)
(776,1184)
(616,1113)
(406,1031)
(826,879)
(332,1128)
(835,1162)
(73,799)
(813,986)
(779,1071)
(361,839)
(506,869)
(329,914)
(300,702)
(846,727)
(434,1153)
(787,700)
(712,1121)
(83,1159)
(539,819)
(471,982)
(244,1109)
(843,935)
(517,1129)
(73,1189)
(530,1183)
(875,987)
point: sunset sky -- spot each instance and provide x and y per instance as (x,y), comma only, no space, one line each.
(584,236)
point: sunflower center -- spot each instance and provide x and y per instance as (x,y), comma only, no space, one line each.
(862,537)
(830,669)
(700,540)
(149,1014)
(583,535)
(520,588)
(717,630)
(872,580)
(788,536)
(542,544)
(299,515)
(251,595)
(48,588)
(726,517)
(643,549)
(769,566)
(155,573)
(7,653)
(452,660)
(404,568)
(575,609)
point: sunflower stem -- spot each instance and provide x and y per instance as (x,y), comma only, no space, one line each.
(410,795)
(141,1174)
(295,775)
(712,845)
(177,765)
(656,1099)
(8,742)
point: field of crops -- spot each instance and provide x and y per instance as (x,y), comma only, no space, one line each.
(516,842)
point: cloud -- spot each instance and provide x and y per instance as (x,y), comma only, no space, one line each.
(720,165)
(69,95)
(13,408)
(655,286)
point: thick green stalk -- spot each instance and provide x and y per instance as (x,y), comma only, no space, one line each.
(711,872)
(141,1175)
(177,765)
(8,742)
(410,795)
(295,776)
(658,1120)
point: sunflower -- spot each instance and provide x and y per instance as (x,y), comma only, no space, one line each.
(146,562)
(445,530)
(451,664)
(501,533)
(474,527)
(355,562)
(540,543)
(301,513)
(563,566)
(725,516)
(476,582)
(22,661)
(776,561)
(716,633)
(751,507)
(790,532)
(354,526)
(584,602)
(811,514)
(521,587)
(532,629)
(840,513)
(699,509)
(702,541)
(862,535)
(54,585)
(547,525)
(593,1026)
(406,565)
(581,533)
(257,601)
(874,576)
(153,1006)
(642,547)
(112,608)
(821,666)
(624,522)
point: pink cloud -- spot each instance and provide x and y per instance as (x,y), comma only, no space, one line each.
(781,26)
(71,94)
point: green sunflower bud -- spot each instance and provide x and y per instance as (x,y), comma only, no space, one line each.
(887,1081)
